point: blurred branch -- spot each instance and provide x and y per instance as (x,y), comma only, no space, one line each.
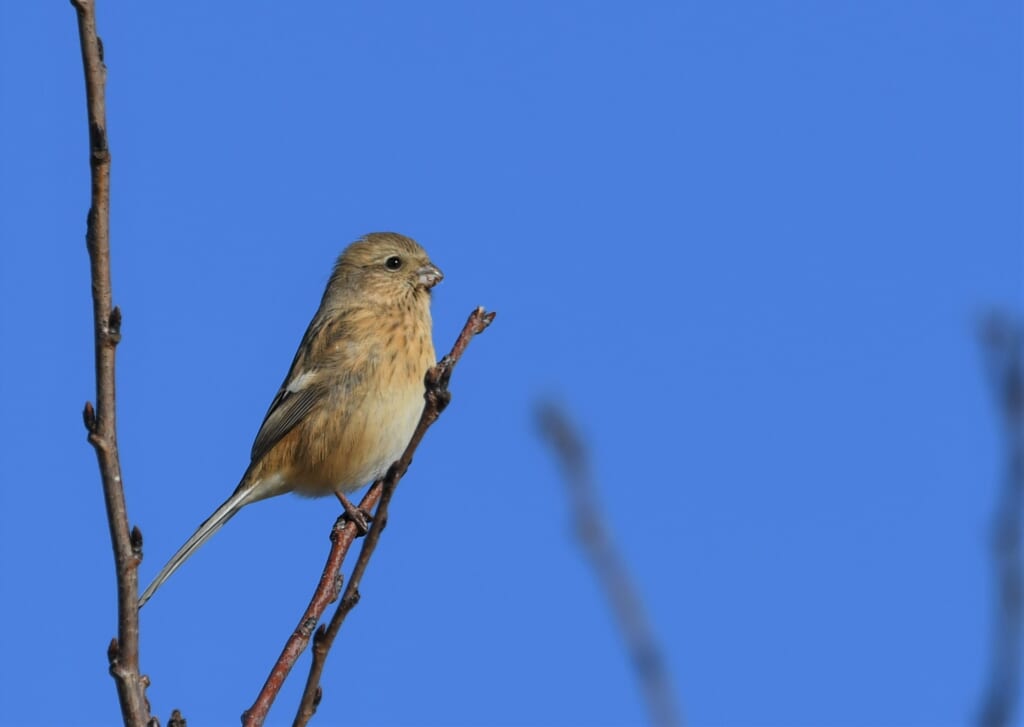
(100,422)
(611,572)
(343,535)
(1002,342)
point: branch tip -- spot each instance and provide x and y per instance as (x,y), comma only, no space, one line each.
(555,426)
(485,319)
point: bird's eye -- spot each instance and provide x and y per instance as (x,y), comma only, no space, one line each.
(393,263)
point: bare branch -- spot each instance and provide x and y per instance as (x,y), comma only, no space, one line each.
(343,534)
(100,422)
(611,572)
(1003,346)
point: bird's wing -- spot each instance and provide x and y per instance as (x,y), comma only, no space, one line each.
(307,383)
(287,410)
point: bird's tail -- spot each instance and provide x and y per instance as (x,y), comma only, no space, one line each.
(242,496)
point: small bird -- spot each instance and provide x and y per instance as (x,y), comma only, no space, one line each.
(354,393)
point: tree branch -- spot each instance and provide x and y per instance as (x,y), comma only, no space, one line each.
(597,544)
(343,534)
(101,422)
(1003,344)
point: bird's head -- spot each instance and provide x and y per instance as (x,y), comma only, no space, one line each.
(385,268)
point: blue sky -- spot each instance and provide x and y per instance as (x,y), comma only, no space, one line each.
(746,245)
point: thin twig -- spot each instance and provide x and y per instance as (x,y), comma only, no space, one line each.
(611,572)
(1003,343)
(101,422)
(343,535)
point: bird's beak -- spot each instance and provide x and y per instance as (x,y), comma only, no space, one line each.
(428,276)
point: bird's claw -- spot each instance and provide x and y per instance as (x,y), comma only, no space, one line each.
(357,515)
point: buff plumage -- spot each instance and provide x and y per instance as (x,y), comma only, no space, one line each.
(354,392)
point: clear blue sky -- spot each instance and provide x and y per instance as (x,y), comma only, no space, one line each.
(745,243)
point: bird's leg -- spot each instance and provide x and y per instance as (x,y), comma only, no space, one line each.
(360,517)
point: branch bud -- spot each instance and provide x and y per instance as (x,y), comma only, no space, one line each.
(89,417)
(136,540)
(114,325)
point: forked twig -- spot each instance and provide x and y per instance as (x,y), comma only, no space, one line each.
(343,535)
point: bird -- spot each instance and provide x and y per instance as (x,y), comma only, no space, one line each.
(354,393)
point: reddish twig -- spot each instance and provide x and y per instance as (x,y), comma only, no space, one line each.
(101,422)
(343,535)
(611,572)
(1003,343)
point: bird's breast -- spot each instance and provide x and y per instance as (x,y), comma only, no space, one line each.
(369,420)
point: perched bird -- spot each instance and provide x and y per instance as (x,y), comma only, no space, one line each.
(354,393)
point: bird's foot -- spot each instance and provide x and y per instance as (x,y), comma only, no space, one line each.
(360,517)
